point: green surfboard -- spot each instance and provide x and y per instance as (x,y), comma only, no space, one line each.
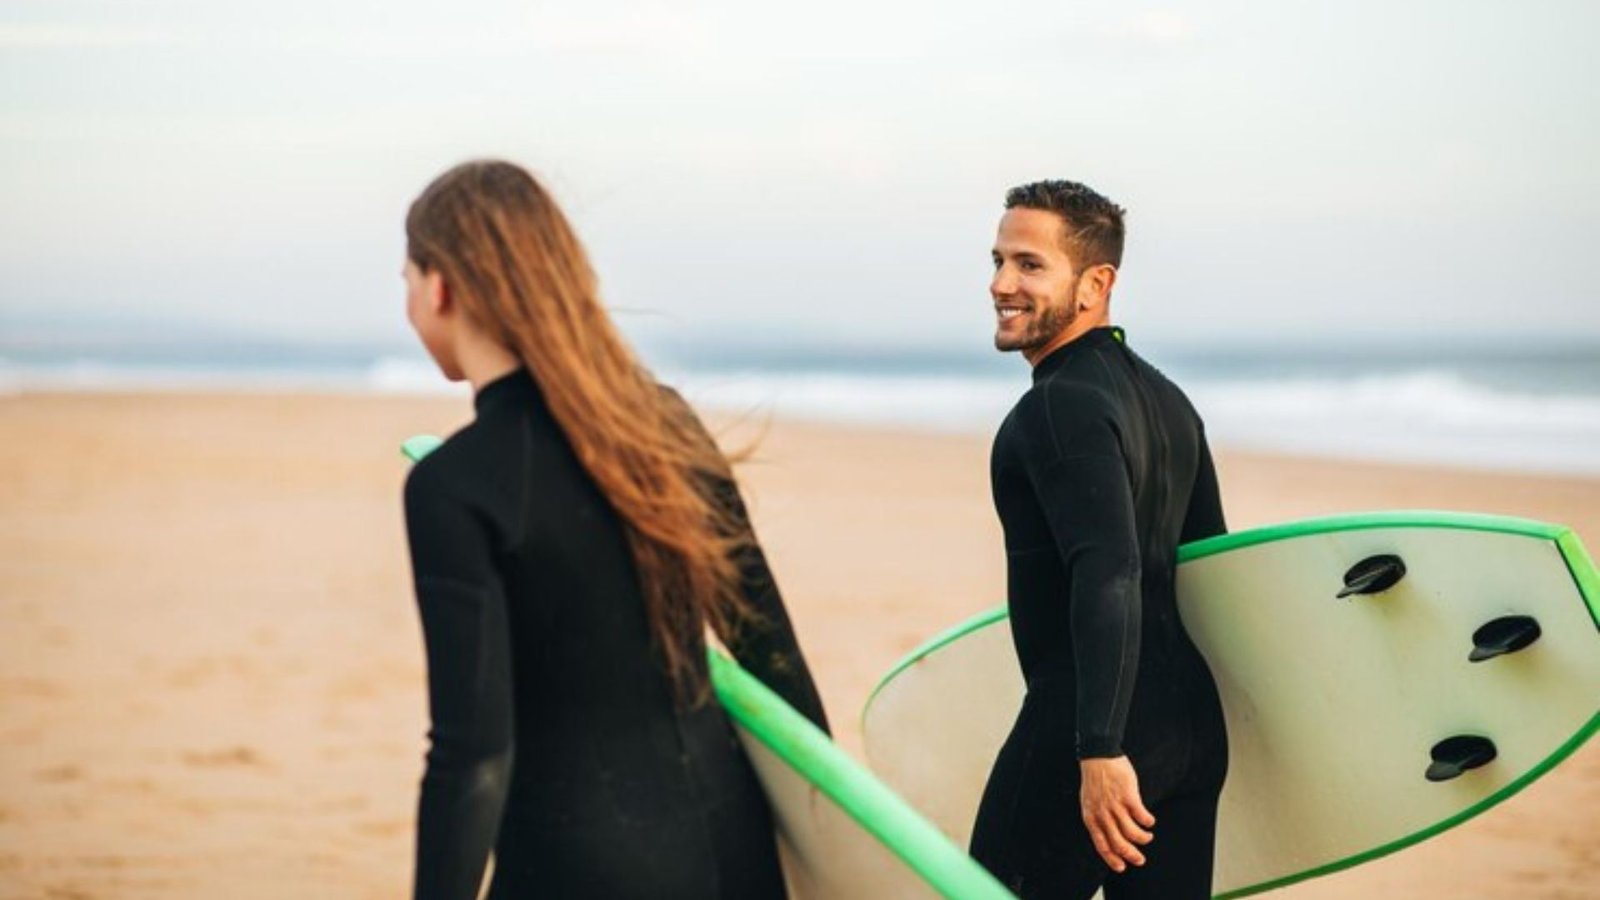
(842,833)
(1385,677)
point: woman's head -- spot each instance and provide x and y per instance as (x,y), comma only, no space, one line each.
(488,251)
(488,243)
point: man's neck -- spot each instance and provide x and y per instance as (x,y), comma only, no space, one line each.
(1079,327)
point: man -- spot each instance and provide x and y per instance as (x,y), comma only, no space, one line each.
(1099,473)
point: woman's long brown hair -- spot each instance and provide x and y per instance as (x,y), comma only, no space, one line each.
(517,270)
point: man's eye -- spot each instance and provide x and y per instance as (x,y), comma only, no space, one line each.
(1029,266)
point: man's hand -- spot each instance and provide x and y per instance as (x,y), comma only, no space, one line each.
(1113,811)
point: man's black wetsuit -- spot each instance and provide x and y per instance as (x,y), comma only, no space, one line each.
(555,738)
(1099,473)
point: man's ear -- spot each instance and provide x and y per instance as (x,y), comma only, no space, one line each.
(1094,287)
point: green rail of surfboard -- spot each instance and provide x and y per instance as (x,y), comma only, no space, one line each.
(1579,564)
(872,804)
(816,758)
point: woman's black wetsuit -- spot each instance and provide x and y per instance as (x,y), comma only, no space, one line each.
(555,739)
(1099,473)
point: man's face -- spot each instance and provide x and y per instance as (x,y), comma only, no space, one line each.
(1035,285)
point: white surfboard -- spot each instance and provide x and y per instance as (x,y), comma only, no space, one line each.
(1357,725)
(842,834)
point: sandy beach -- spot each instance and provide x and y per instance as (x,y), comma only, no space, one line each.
(212,682)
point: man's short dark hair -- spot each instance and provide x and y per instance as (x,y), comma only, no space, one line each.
(1093,224)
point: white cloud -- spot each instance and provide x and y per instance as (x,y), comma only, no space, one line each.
(1159,27)
(631,31)
(65,36)
(700,138)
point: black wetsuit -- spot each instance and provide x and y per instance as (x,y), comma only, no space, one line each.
(1099,473)
(556,740)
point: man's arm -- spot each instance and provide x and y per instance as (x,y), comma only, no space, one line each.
(1081,481)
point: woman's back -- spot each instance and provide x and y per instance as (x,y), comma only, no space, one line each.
(531,603)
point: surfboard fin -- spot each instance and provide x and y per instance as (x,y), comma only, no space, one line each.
(1507,634)
(1373,575)
(1455,755)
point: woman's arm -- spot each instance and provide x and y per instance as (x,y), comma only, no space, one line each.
(766,645)
(464,625)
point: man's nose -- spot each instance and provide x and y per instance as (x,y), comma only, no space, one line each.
(1003,284)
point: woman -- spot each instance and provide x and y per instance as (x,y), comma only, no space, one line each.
(570,547)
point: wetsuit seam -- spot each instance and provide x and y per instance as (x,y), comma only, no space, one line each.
(1122,670)
(1050,427)
(1105,367)
(450,581)
(1016,792)
(1068,457)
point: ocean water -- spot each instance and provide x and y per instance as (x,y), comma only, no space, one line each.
(1491,406)
(1472,406)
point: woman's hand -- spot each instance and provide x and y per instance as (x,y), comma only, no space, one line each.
(1113,812)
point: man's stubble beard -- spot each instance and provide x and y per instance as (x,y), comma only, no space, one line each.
(1050,323)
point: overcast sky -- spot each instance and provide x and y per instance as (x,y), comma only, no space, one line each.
(811,171)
